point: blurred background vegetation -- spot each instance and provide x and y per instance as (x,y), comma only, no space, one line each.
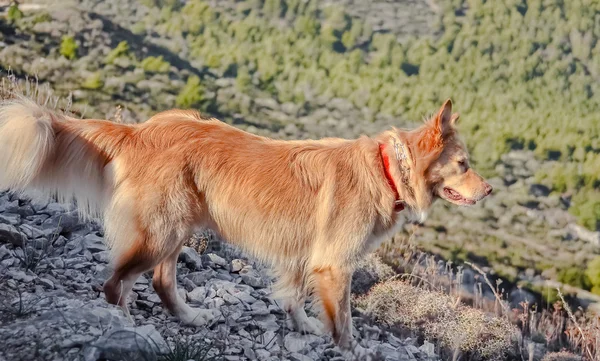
(526,74)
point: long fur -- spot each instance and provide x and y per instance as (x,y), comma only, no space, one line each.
(312,209)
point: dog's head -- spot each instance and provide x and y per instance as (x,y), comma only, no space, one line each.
(450,176)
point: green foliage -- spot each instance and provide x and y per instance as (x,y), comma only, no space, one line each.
(68,47)
(523,74)
(593,273)
(122,49)
(575,277)
(93,82)
(42,17)
(14,13)
(191,94)
(586,206)
(243,81)
(153,64)
(161,3)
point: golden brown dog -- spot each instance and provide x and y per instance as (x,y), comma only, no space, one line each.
(310,208)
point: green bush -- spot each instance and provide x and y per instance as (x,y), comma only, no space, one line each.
(243,80)
(68,47)
(153,64)
(122,49)
(575,277)
(42,17)
(14,13)
(586,207)
(191,94)
(593,273)
(93,82)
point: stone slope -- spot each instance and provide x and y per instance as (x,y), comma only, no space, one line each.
(52,268)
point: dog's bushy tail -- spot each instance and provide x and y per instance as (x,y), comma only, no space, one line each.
(47,152)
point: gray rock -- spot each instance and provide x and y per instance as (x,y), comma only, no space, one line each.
(191,258)
(212,258)
(91,353)
(267,323)
(295,356)
(31,232)
(237,265)
(23,211)
(46,283)
(428,349)
(144,304)
(539,190)
(200,278)
(584,234)
(9,234)
(197,295)
(252,278)
(93,243)
(12,219)
(132,343)
(55,208)
(153,297)
(20,276)
(4,252)
(102,256)
(39,205)
(296,342)
(64,222)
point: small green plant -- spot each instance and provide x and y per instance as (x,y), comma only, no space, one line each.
(155,64)
(191,94)
(122,49)
(93,82)
(43,17)
(68,47)
(14,13)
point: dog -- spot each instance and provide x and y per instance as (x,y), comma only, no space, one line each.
(310,208)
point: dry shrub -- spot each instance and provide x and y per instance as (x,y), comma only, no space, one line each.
(562,356)
(370,271)
(437,316)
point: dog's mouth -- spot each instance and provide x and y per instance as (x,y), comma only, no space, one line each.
(453,196)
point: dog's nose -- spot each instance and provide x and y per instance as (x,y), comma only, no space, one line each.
(488,189)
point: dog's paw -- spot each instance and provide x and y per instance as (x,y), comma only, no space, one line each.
(200,317)
(356,352)
(309,325)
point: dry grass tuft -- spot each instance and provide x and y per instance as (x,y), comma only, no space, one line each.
(562,356)
(457,328)
(370,271)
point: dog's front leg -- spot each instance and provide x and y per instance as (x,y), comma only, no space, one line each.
(333,288)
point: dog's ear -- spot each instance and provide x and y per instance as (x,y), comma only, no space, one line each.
(454,119)
(443,120)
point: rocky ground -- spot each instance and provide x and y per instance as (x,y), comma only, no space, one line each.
(522,233)
(52,267)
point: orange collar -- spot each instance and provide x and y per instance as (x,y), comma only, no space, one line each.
(398,204)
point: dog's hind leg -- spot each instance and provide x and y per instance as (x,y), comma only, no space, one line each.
(164,282)
(128,267)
